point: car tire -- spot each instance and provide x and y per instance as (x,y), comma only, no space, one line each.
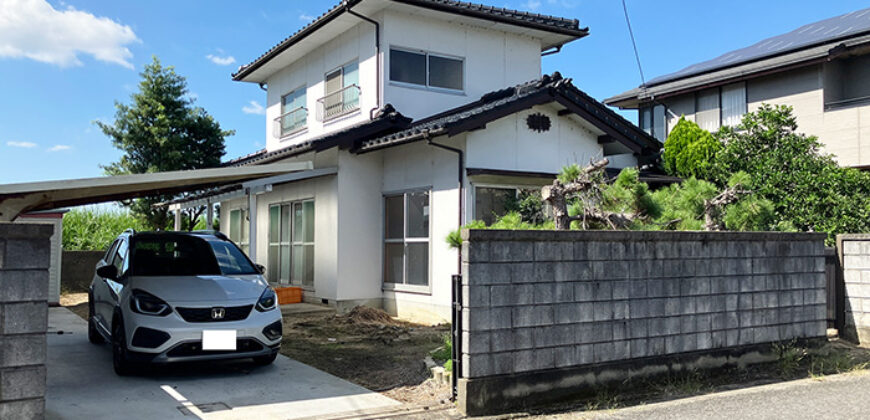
(265,360)
(94,336)
(120,355)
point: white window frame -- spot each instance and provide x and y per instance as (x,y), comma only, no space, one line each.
(517,187)
(427,86)
(358,84)
(650,108)
(244,218)
(290,134)
(291,281)
(404,287)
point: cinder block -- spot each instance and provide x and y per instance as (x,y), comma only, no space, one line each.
(703,304)
(673,344)
(603,352)
(532,316)
(22,383)
(638,328)
(688,324)
(637,289)
(554,251)
(656,288)
(642,250)
(502,363)
(522,272)
(620,310)
(476,343)
(731,302)
(704,322)
(584,354)
(2,251)
(23,285)
(512,251)
(602,311)
(22,350)
(546,335)
(27,254)
(656,307)
(619,250)
(581,252)
(672,325)
(475,252)
(656,346)
(619,330)
(747,336)
(851,248)
(478,296)
(620,290)
(602,291)
(563,292)
(545,293)
(545,272)
(598,251)
(564,271)
(581,270)
(565,356)
(688,305)
(544,359)
(666,250)
(639,348)
(583,291)
(23,317)
(621,350)
(23,409)
(717,339)
(732,337)
(477,366)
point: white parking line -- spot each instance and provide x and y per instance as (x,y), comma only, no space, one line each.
(184,401)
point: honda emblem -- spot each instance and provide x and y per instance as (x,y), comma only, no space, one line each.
(218,313)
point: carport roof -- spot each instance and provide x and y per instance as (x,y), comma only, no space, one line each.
(16,199)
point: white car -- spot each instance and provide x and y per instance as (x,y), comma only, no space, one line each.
(161,297)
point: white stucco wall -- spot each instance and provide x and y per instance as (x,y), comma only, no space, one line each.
(358,43)
(509,144)
(493,60)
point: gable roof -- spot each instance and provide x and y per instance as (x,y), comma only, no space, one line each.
(558,25)
(498,104)
(779,51)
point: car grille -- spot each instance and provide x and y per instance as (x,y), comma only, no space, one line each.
(194,348)
(231,313)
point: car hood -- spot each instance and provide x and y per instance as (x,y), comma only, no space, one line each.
(214,289)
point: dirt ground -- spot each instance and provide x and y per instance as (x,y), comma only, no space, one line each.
(76,302)
(370,349)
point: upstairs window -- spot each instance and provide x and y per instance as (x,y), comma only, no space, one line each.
(720,107)
(846,82)
(733,104)
(427,69)
(652,120)
(341,92)
(294,114)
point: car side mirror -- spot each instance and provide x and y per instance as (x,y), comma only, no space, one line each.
(108,272)
(260,268)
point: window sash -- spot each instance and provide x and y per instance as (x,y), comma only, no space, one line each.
(733,104)
(412,274)
(291,256)
(707,109)
(425,78)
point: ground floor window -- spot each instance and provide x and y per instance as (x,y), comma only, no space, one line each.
(406,238)
(492,202)
(240,228)
(291,243)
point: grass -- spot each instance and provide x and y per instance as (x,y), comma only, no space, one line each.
(688,383)
(90,230)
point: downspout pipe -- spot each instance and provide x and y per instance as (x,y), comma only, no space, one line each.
(377,57)
(460,155)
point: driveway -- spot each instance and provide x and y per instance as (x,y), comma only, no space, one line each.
(82,384)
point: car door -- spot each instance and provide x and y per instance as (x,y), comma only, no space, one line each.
(110,289)
(99,288)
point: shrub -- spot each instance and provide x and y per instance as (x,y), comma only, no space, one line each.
(94,230)
(690,151)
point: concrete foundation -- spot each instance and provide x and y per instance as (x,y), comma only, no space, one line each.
(24,277)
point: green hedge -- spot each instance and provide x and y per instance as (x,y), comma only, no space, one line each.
(94,230)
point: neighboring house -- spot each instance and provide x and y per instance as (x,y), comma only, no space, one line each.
(821,69)
(54,218)
(417,116)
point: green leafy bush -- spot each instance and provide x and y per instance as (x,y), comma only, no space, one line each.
(94,230)
(690,151)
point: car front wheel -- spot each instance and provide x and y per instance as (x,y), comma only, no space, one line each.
(120,357)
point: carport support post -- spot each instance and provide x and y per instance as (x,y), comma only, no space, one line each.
(177,219)
(252,225)
(209,215)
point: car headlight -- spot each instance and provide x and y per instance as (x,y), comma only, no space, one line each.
(267,301)
(145,303)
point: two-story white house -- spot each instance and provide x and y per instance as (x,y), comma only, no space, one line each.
(416,116)
(821,70)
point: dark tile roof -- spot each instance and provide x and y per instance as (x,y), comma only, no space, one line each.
(823,31)
(570,27)
(386,120)
(494,105)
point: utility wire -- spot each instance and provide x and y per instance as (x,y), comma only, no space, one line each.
(634,44)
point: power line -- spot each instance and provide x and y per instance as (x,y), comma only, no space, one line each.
(633,44)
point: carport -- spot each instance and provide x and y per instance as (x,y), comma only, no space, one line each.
(85,387)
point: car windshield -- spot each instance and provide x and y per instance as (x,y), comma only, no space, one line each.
(179,255)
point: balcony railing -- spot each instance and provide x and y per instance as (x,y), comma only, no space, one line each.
(290,122)
(338,103)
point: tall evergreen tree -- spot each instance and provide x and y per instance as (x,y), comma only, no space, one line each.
(162,130)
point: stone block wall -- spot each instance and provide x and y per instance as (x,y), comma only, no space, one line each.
(854,253)
(535,301)
(24,264)
(77,270)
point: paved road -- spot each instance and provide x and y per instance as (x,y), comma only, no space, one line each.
(82,385)
(844,396)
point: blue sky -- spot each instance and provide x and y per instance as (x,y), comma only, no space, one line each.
(67,62)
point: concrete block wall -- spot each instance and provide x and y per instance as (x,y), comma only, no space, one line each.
(24,265)
(540,300)
(854,254)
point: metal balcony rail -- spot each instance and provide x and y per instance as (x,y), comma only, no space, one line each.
(290,122)
(338,103)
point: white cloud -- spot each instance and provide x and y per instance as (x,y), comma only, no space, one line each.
(568,4)
(24,144)
(34,29)
(532,5)
(306,18)
(254,107)
(221,61)
(59,148)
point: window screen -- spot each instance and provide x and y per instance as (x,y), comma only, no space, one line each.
(445,72)
(733,104)
(408,67)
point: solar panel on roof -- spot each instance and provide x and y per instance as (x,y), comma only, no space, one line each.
(814,33)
